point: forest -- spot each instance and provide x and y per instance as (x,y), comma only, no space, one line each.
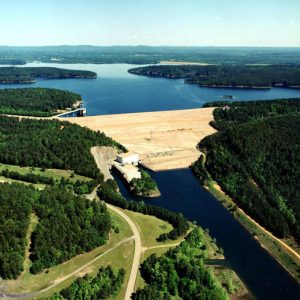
(234,76)
(12,62)
(106,284)
(108,191)
(51,144)
(38,102)
(67,225)
(16,202)
(152,55)
(179,274)
(255,158)
(29,74)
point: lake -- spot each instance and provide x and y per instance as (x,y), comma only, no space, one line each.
(116,91)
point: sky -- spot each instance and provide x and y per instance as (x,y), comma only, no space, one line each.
(150,22)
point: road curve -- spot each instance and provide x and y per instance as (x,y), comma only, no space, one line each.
(137,251)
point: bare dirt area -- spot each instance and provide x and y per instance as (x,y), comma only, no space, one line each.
(179,63)
(104,157)
(164,140)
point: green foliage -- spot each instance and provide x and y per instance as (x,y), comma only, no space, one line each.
(144,185)
(15,209)
(228,75)
(256,158)
(40,102)
(50,144)
(108,191)
(68,225)
(199,170)
(179,273)
(105,284)
(28,75)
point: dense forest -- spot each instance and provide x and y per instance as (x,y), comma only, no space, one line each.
(151,55)
(68,225)
(108,191)
(29,74)
(15,208)
(39,102)
(50,144)
(243,76)
(256,160)
(180,274)
(105,284)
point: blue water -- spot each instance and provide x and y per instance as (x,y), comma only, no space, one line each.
(117,91)
(181,192)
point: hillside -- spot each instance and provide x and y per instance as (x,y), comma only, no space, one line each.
(255,158)
(235,76)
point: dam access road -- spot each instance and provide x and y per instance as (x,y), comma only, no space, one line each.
(165,140)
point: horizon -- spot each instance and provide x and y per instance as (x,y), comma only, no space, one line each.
(193,23)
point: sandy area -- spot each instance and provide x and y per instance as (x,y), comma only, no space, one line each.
(164,140)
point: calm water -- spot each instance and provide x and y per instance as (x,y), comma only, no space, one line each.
(181,192)
(117,91)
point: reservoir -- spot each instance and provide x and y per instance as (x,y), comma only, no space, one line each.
(116,91)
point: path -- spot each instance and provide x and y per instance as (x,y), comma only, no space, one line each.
(4,295)
(137,251)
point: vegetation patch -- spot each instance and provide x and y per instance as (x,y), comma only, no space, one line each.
(179,273)
(234,76)
(29,74)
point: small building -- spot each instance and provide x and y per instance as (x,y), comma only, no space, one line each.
(128,158)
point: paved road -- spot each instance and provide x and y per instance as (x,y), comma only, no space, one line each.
(137,252)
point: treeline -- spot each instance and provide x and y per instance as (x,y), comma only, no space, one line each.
(15,208)
(255,159)
(151,55)
(79,187)
(179,273)
(106,283)
(40,102)
(29,74)
(51,144)
(108,191)
(243,76)
(68,225)
(144,186)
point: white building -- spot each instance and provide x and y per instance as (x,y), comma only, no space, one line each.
(128,158)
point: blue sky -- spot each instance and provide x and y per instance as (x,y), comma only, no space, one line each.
(150,22)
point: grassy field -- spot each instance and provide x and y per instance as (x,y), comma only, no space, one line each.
(287,260)
(56,174)
(9,180)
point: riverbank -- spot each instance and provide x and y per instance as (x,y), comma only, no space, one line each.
(286,256)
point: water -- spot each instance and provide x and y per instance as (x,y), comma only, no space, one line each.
(117,91)
(181,192)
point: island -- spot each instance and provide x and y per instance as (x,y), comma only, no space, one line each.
(228,76)
(38,102)
(27,75)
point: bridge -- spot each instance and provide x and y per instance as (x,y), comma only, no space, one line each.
(79,112)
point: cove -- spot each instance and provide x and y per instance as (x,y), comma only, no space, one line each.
(262,274)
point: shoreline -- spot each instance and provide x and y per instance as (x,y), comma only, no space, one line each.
(259,233)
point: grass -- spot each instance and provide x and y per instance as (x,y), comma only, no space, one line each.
(231,282)
(29,282)
(56,174)
(39,186)
(288,261)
